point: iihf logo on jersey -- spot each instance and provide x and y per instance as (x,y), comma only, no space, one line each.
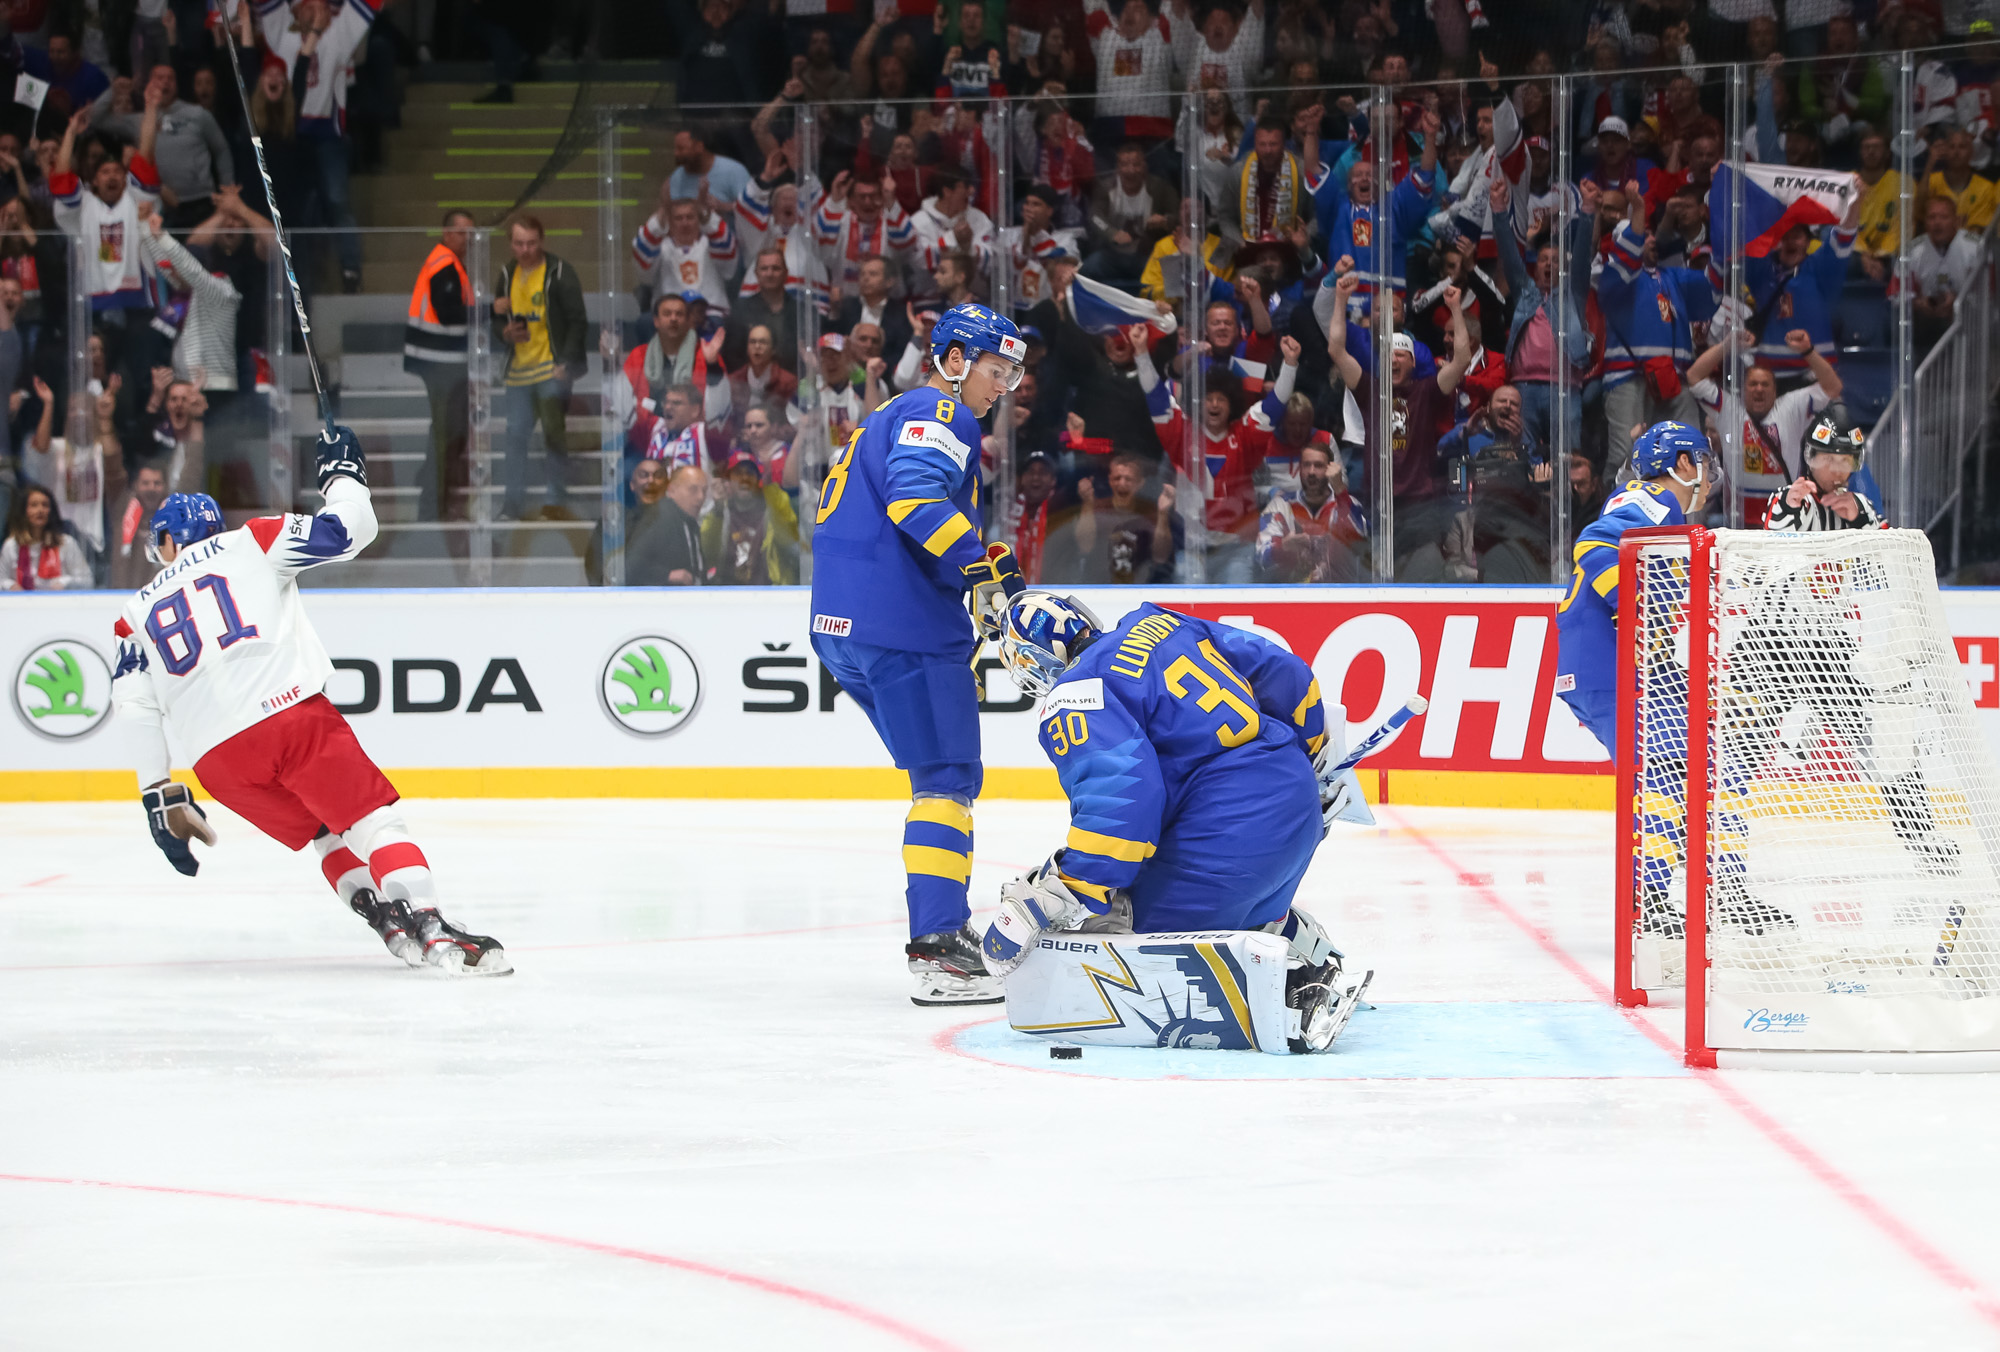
(650,686)
(62,691)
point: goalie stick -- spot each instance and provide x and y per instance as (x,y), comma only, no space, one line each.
(278,227)
(1391,725)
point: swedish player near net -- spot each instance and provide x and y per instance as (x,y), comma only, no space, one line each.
(218,647)
(1197,759)
(1670,466)
(896,551)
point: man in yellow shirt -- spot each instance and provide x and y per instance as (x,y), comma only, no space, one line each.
(1879,224)
(538,316)
(1976,198)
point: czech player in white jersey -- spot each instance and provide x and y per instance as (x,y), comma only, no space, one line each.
(218,646)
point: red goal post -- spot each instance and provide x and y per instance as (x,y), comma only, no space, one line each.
(1808,817)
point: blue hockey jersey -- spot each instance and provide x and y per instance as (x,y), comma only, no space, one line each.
(1587,618)
(897,523)
(1647,311)
(1185,749)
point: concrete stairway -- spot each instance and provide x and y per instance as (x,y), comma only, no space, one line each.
(454,152)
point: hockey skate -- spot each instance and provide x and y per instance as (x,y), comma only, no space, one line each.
(1324,1006)
(1659,917)
(393,922)
(451,949)
(950,971)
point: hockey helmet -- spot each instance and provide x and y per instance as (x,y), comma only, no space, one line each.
(978,329)
(1833,433)
(186,519)
(1042,634)
(1660,447)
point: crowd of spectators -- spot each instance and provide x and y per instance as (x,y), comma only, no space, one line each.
(131,176)
(901,213)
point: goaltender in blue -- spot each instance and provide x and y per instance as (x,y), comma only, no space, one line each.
(896,549)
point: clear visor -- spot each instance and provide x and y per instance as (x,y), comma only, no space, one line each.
(1034,670)
(153,550)
(1006,374)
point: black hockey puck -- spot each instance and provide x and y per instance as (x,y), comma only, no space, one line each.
(1065,1053)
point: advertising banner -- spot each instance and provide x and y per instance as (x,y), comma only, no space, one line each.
(717,692)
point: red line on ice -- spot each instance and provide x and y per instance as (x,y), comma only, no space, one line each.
(905,1333)
(1914,1245)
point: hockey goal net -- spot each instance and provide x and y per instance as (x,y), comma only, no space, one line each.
(1809,816)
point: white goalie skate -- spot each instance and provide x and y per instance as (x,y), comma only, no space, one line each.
(1323,1010)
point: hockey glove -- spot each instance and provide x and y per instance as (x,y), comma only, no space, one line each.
(340,457)
(173,817)
(1029,905)
(995,580)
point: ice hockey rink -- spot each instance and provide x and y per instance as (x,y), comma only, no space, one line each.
(703,1113)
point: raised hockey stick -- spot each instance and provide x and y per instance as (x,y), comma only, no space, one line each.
(277,227)
(1391,725)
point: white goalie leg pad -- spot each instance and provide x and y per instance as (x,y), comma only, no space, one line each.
(1218,990)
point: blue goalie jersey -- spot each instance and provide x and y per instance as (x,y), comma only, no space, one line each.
(897,524)
(1185,749)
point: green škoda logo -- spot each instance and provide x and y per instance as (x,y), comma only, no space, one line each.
(650,685)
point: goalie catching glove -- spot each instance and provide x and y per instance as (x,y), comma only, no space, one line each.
(1029,906)
(995,580)
(173,816)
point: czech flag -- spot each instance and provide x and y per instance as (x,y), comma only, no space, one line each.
(1105,309)
(1776,198)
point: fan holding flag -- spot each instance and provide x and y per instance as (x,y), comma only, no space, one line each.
(1098,308)
(1799,227)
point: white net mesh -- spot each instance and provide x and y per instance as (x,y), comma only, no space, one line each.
(1853,807)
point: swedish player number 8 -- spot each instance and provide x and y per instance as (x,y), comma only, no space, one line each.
(836,479)
(172,628)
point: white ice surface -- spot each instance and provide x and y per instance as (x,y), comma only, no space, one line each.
(704,1115)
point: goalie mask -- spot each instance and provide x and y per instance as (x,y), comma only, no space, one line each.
(1042,634)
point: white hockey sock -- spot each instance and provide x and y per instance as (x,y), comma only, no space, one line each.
(395,863)
(345,872)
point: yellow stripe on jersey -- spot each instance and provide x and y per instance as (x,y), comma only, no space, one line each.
(1095,891)
(1306,704)
(933,862)
(1605,582)
(949,534)
(902,507)
(1111,847)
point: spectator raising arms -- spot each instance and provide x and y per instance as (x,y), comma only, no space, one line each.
(1771,422)
(684,246)
(105,220)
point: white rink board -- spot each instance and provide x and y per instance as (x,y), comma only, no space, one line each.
(761,700)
